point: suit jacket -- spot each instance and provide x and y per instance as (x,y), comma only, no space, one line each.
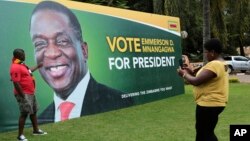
(98,98)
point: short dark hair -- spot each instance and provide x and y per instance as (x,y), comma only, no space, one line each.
(17,52)
(214,44)
(51,5)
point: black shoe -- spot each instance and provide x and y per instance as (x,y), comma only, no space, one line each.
(39,132)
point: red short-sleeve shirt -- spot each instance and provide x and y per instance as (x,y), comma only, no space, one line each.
(19,73)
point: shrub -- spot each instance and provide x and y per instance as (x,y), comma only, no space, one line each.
(234,80)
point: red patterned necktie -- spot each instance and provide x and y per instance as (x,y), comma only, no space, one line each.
(65,109)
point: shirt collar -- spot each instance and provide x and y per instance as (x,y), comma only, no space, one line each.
(77,96)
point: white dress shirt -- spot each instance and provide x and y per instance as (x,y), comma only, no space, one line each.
(76,97)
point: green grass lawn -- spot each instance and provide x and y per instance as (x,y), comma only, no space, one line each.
(170,119)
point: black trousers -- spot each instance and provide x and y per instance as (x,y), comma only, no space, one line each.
(206,120)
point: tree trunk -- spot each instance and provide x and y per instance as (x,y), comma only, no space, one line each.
(206,25)
(242,52)
(110,2)
(158,6)
(141,5)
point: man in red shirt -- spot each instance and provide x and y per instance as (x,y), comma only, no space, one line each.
(24,90)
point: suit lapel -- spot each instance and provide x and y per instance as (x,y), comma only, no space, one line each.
(91,97)
(48,114)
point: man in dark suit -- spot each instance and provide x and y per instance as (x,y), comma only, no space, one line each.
(57,37)
(99,98)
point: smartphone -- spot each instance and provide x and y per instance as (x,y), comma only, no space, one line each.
(181,63)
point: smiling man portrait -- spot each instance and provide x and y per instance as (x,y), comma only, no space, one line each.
(58,42)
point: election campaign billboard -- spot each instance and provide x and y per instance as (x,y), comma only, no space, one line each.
(98,58)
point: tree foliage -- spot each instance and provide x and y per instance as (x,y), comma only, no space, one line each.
(229,20)
(238,23)
(112,3)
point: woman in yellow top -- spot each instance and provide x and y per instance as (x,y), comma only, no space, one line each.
(210,90)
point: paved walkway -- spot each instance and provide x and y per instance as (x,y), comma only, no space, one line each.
(243,78)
